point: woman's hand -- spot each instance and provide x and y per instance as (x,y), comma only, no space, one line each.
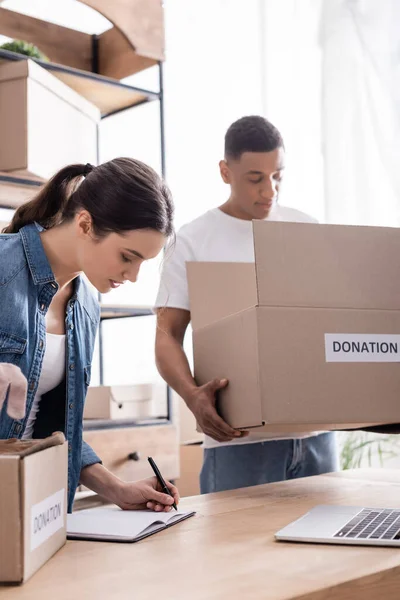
(132,495)
(146,493)
(13,381)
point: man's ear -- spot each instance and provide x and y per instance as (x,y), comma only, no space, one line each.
(225,171)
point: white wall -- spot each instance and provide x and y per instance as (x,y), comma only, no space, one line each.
(213,75)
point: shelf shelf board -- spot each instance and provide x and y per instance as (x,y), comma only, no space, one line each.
(93,424)
(121,311)
(109,95)
(16,188)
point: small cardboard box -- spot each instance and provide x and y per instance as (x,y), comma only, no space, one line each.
(118,402)
(309,335)
(33,504)
(44,124)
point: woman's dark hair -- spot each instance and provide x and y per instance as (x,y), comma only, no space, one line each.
(120,195)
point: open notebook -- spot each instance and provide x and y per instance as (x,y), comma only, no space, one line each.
(115,525)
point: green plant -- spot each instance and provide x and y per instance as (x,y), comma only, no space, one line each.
(360,448)
(25,48)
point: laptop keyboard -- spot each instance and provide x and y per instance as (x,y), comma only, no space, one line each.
(372,524)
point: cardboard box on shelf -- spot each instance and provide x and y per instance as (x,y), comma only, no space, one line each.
(308,335)
(119,402)
(44,124)
(33,504)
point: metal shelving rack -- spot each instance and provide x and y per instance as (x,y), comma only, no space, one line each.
(98,89)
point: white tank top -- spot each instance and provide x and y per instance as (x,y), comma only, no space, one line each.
(53,369)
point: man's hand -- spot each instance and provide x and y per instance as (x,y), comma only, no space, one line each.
(173,366)
(202,404)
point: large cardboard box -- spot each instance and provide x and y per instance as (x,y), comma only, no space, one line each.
(44,124)
(309,335)
(119,402)
(33,504)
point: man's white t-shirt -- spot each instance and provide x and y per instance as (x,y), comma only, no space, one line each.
(216,237)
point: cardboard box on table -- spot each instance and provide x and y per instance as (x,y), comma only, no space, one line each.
(33,504)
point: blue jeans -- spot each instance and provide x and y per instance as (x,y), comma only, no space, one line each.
(244,465)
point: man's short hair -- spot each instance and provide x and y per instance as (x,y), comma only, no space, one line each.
(251,134)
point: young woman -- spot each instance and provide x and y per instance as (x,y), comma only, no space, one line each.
(102,222)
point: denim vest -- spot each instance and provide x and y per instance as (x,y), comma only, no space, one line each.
(27,286)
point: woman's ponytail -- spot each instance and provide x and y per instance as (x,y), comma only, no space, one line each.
(120,195)
(48,206)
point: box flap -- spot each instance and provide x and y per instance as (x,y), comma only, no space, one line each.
(22,448)
(29,69)
(332,266)
(219,289)
(229,350)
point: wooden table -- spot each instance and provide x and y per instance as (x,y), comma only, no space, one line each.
(228,551)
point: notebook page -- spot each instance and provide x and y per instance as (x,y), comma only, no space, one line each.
(117,523)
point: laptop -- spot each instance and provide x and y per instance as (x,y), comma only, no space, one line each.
(345,525)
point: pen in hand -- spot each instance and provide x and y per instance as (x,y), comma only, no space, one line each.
(160,480)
